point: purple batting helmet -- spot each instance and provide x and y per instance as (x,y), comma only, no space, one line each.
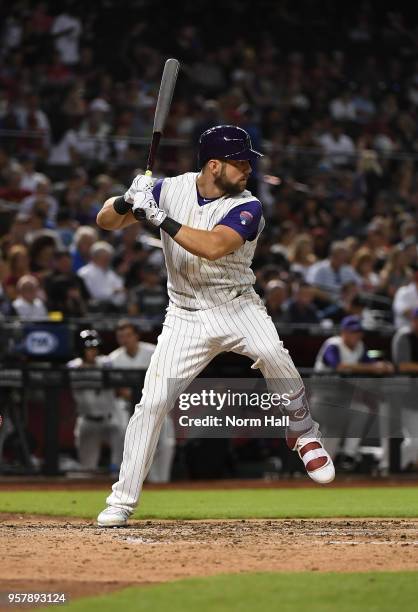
(226,142)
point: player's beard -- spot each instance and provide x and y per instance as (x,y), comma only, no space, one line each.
(223,184)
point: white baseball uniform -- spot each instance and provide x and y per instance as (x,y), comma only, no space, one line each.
(160,470)
(99,421)
(213,308)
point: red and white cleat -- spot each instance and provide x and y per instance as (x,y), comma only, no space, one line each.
(317,461)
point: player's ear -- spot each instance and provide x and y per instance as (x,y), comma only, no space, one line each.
(214,166)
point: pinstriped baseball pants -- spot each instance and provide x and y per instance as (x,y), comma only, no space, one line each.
(188,342)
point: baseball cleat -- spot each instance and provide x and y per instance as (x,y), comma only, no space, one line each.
(113,517)
(316,459)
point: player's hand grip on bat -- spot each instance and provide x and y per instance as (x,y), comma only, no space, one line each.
(145,205)
(141,183)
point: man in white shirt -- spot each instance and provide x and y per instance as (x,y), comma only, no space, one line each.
(28,305)
(406,300)
(331,274)
(134,354)
(103,284)
(67,30)
(338,147)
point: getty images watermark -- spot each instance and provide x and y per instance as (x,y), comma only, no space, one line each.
(232,399)
(346,408)
(225,408)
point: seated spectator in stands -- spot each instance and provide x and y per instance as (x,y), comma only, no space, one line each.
(13,191)
(149,299)
(103,284)
(350,302)
(301,255)
(363,264)
(300,308)
(406,300)
(396,271)
(41,253)
(18,266)
(28,305)
(275,298)
(41,195)
(65,290)
(338,147)
(331,274)
(84,238)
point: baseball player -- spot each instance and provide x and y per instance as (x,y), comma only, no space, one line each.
(135,354)
(98,418)
(209,227)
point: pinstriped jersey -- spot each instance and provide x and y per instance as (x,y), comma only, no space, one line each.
(194,282)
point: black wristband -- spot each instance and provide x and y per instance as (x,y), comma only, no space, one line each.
(170,226)
(121,206)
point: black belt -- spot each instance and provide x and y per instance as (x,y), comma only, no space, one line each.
(97,419)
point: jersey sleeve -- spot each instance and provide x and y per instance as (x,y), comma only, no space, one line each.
(331,356)
(244,219)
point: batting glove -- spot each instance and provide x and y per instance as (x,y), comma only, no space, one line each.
(145,206)
(141,183)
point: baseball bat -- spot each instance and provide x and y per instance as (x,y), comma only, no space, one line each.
(165,95)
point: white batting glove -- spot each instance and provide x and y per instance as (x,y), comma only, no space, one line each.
(145,206)
(142,183)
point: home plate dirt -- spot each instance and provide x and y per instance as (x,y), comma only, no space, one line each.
(75,556)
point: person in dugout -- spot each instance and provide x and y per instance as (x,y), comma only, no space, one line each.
(99,419)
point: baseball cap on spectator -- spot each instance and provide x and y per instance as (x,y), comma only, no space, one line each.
(351,323)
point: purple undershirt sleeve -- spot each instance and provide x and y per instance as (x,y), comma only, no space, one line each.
(156,190)
(331,356)
(244,219)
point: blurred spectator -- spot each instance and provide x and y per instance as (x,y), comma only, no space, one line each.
(43,197)
(349,302)
(331,274)
(338,147)
(103,284)
(301,255)
(28,305)
(406,300)
(41,253)
(396,271)
(66,30)
(300,308)
(275,298)
(65,290)
(84,238)
(149,298)
(18,266)
(363,264)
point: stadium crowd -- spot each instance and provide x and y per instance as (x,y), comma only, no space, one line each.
(338,128)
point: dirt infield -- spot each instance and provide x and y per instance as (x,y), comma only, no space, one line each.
(75,556)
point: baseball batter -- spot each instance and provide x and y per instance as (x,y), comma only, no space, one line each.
(209,228)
